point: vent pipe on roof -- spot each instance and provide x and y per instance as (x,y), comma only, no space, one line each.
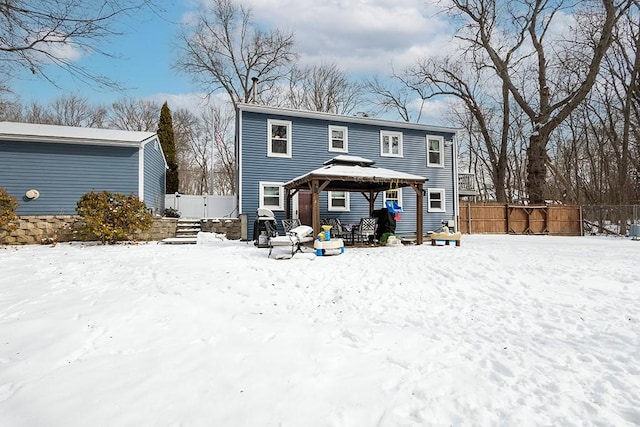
(254,90)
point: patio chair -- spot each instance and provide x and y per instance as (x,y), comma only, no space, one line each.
(366,231)
(288,224)
(294,239)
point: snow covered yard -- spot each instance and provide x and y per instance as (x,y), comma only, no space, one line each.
(504,330)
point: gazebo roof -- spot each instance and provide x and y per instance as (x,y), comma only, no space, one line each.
(352,173)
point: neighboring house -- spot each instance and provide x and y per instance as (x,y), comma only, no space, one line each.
(276,145)
(48,168)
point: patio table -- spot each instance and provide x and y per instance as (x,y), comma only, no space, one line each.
(351,228)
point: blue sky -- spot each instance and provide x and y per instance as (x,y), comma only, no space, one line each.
(362,38)
(143,67)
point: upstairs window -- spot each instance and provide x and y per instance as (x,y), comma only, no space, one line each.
(338,201)
(435,199)
(279,143)
(390,144)
(272,196)
(338,140)
(435,151)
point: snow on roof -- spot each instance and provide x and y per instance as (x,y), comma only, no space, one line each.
(343,158)
(74,135)
(358,171)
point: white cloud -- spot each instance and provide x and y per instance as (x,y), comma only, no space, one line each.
(59,47)
(362,37)
(66,51)
(434,111)
(359,36)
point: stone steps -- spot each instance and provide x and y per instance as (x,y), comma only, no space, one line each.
(186,233)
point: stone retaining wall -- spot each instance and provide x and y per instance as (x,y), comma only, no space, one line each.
(231,227)
(47,229)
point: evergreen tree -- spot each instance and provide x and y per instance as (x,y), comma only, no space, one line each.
(165,135)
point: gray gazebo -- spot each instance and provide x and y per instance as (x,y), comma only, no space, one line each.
(354,174)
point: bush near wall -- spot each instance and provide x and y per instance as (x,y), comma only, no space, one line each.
(113,217)
(8,206)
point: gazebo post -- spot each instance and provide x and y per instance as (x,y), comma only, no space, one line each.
(287,204)
(315,204)
(419,214)
(372,200)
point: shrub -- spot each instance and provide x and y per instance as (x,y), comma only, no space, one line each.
(171,213)
(385,237)
(113,217)
(8,206)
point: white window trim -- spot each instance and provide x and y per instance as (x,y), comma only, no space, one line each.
(389,133)
(332,208)
(442,198)
(345,133)
(280,185)
(270,123)
(435,165)
(384,197)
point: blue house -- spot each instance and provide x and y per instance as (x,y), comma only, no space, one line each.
(48,168)
(276,146)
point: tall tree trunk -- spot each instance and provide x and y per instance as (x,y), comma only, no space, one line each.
(536,168)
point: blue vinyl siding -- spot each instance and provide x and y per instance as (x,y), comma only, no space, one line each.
(310,149)
(64,172)
(154,176)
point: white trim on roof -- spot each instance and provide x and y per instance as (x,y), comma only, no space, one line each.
(156,140)
(30,132)
(340,118)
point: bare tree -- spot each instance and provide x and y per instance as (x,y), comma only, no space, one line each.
(467,82)
(10,111)
(36,113)
(597,150)
(224,49)
(36,33)
(193,146)
(397,97)
(323,88)
(483,109)
(535,66)
(136,115)
(205,149)
(185,125)
(222,125)
(623,64)
(73,110)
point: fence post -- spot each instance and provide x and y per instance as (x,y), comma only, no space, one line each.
(581,222)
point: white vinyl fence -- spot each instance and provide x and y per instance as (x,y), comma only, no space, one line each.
(205,206)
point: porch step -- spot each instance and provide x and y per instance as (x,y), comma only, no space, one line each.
(186,233)
(188,228)
(180,240)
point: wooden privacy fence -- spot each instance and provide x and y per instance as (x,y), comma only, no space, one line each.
(497,218)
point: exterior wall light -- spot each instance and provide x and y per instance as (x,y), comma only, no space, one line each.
(32,194)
